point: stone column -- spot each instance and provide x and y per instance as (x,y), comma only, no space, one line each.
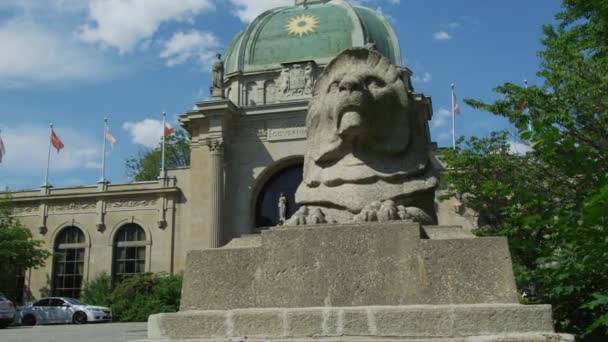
(216,191)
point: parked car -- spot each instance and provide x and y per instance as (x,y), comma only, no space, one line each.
(61,310)
(7,312)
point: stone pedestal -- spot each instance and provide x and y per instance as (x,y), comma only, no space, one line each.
(389,282)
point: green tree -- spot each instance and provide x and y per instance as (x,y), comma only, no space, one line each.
(552,203)
(18,250)
(146,165)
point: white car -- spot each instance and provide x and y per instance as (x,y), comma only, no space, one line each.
(7,312)
(62,310)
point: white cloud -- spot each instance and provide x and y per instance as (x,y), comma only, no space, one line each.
(27,150)
(247,10)
(48,6)
(32,53)
(147,132)
(441,118)
(518,148)
(123,24)
(182,47)
(425,78)
(441,35)
(452,25)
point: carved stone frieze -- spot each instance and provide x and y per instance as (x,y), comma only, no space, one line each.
(133,203)
(72,206)
(296,80)
(25,209)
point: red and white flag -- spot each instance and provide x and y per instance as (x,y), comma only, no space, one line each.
(2,150)
(109,137)
(455,104)
(56,142)
(168,131)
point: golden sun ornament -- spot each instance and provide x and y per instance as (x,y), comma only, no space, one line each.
(301,25)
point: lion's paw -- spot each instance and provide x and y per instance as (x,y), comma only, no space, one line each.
(388,211)
(305,216)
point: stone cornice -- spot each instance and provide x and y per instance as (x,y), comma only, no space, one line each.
(99,195)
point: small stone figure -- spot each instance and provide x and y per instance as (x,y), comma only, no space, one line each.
(308,78)
(217,80)
(284,84)
(282,209)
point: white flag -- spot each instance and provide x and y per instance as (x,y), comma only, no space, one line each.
(109,137)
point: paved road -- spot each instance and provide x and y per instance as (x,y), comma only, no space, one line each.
(100,332)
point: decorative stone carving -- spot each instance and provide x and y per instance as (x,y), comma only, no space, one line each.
(297,80)
(215,145)
(43,230)
(217,77)
(25,209)
(101,227)
(367,156)
(132,203)
(72,206)
(162,224)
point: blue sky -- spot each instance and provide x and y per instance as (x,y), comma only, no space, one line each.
(72,62)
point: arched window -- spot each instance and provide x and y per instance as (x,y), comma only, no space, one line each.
(129,251)
(269,92)
(285,181)
(68,262)
(251,94)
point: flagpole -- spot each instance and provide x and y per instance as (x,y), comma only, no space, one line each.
(48,161)
(162,169)
(103,156)
(453,121)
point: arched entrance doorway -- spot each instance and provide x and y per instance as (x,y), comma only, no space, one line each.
(284,181)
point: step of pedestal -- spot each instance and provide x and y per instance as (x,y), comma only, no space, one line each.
(244,241)
(529,337)
(392,323)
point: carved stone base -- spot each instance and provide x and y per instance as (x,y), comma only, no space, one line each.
(393,281)
(486,322)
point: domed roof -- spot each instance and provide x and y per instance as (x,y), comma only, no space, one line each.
(317,32)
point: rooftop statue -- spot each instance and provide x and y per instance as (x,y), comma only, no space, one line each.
(367,153)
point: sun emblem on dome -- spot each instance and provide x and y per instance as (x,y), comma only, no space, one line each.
(301,25)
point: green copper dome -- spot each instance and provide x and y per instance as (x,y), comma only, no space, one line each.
(318,32)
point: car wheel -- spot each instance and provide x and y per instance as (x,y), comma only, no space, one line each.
(28,320)
(4,324)
(79,318)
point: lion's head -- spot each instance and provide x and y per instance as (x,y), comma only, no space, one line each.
(367,141)
(359,103)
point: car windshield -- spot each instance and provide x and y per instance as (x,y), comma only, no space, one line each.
(72,301)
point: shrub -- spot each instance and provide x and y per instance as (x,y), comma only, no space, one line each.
(137,297)
(98,291)
(140,296)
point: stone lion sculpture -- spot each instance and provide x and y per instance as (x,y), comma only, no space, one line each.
(368,149)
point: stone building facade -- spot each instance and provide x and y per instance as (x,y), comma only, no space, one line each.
(248,143)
